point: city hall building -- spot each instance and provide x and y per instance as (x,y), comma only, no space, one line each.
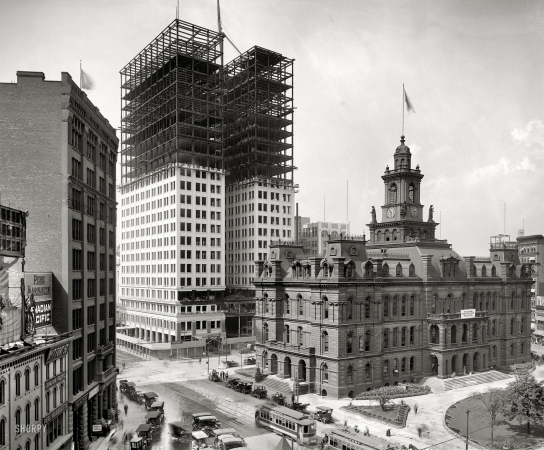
(394,308)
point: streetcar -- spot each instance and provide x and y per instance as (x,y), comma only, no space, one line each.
(285,421)
(335,439)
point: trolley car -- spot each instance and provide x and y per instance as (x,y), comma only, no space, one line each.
(335,439)
(285,421)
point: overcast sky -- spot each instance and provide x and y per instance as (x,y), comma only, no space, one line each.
(473,70)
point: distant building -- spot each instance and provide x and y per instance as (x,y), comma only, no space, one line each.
(315,235)
(58,162)
(531,250)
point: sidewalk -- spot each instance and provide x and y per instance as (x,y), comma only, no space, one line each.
(131,420)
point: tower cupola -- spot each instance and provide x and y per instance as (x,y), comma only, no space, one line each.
(403,157)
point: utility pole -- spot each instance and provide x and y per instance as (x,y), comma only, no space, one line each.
(468,412)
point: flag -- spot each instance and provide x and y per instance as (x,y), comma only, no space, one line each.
(86,81)
(409,106)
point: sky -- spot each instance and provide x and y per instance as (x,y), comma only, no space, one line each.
(473,70)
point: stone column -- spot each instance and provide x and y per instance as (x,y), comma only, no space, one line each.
(83,437)
(95,411)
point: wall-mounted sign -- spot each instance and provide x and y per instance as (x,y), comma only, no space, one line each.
(39,286)
(97,428)
(57,352)
(468,313)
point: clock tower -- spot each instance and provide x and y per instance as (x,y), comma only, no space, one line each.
(402,212)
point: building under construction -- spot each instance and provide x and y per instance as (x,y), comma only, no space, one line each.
(259,116)
(172,104)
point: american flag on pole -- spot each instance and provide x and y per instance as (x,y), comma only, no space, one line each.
(87,81)
(409,106)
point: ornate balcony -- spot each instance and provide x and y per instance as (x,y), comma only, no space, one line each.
(292,348)
(444,317)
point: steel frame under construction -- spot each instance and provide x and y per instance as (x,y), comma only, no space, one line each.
(172,102)
(258,117)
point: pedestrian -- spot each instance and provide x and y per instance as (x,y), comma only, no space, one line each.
(227,375)
(125,408)
(200,361)
(292,399)
(415,409)
(221,376)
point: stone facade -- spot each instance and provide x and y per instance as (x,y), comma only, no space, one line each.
(403,306)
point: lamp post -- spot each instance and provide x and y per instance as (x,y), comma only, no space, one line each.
(468,412)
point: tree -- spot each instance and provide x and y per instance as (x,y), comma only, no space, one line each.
(491,406)
(382,396)
(524,400)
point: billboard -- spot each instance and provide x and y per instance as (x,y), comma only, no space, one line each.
(38,289)
(468,313)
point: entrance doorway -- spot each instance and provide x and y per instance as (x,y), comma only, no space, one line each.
(434,365)
(302,370)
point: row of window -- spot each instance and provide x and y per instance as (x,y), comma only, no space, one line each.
(214,215)
(77,288)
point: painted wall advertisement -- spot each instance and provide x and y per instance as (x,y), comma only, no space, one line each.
(39,285)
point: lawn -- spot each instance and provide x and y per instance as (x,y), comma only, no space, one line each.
(394,415)
(507,435)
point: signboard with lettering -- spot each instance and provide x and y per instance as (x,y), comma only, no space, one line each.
(97,428)
(40,286)
(468,313)
(57,352)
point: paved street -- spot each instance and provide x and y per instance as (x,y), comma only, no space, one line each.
(184,387)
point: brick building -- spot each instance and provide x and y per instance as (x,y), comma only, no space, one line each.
(392,309)
(59,156)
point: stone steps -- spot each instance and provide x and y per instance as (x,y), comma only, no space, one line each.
(282,385)
(448,384)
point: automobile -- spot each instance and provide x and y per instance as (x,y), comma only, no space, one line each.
(145,431)
(154,418)
(200,439)
(150,398)
(205,421)
(250,361)
(300,407)
(278,398)
(232,382)
(322,414)
(229,442)
(157,406)
(259,391)
(138,443)
(231,363)
(177,430)
(214,376)
(244,387)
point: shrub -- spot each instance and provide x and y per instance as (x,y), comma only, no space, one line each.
(396,391)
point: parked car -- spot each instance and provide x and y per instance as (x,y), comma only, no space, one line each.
(250,361)
(214,376)
(279,399)
(243,387)
(231,363)
(233,382)
(323,414)
(259,391)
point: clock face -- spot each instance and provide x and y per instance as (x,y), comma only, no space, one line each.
(413,211)
(391,212)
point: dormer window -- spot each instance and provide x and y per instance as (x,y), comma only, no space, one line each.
(484,271)
(412,270)
(368,269)
(385,270)
(399,270)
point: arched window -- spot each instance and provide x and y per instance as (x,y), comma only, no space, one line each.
(325,341)
(395,306)
(522,326)
(386,368)
(512,349)
(27,413)
(511,326)
(412,270)
(395,337)
(324,373)
(369,269)
(522,348)
(37,409)
(411,193)
(403,337)
(494,351)
(300,305)
(287,305)
(367,308)
(325,307)
(386,306)
(385,270)
(403,365)
(27,379)
(349,270)
(412,361)
(265,332)
(299,336)
(393,194)
(435,335)
(27,445)
(286,334)
(399,270)
(403,306)
(3,432)
(386,338)
(17,383)
(487,301)
(453,334)
(18,421)
(367,341)
(475,332)
(36,375)
(493,327)
(368,372)
(464,336)
(2,391)
(481,308)
(412,305)
(349,343)
(266,303)
(412,335)
(484,271)
(350,374)
(493,271)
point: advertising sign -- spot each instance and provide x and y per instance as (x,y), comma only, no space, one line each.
(468,313)
(97,428)
(39,284)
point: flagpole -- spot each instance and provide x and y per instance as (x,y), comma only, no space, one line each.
(80,74)
(403,94)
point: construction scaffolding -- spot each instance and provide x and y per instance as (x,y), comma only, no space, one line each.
(172,102)
(258,117)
